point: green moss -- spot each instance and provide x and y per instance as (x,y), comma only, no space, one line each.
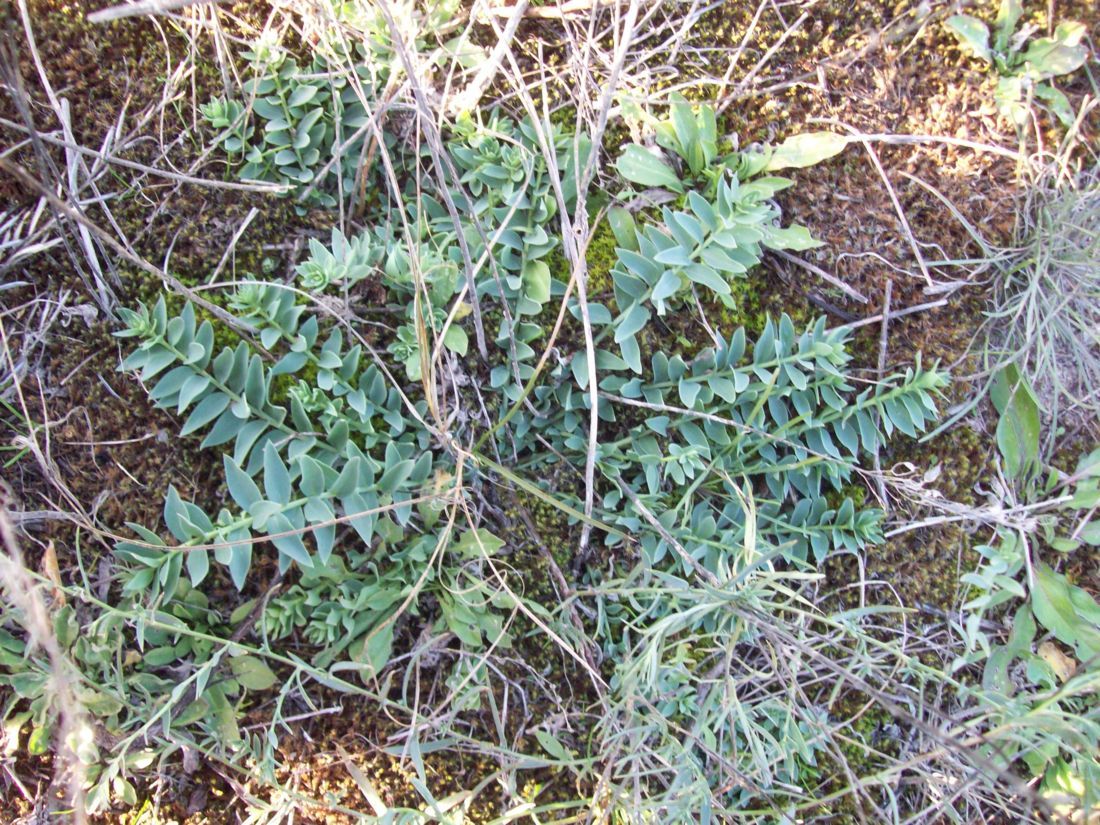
(756,296)
(963,456)
(747,310)
(924,565)
(868,747)
(615,137)
(281,384)
(600,258)
(855,490)
(553,529)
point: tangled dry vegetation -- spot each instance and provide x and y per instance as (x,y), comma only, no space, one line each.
(647,412)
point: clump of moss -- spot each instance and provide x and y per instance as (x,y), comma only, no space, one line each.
(555,533)
(600,258)
(855,490)
(962,455)
(756,296)
(924,565)
(868,747)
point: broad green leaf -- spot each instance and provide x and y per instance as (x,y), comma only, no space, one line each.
(252,672)
(65,626)
(225,715)
(536,281)
(623,227)
(474,544)
(462,622)
(640,166)
(551,745)
(1008,15)
(376,648)
(1090,533)
(687,132)
(1057,101)
(196,711)
(456,340)
(1008,96)
(794,237)
(1062,609)
(38,742)
(241,612)
(160,656)
(1018,427)
(1058,55)
(806,149)
(971,33)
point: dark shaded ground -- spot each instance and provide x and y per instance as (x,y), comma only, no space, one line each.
(117,456)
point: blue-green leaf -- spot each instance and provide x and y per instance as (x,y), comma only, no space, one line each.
(302,95)
(276,475)
(289,545)
(240,557)
(207,410)
(632,354)
(631,322)
(312,482)
(705,276)
(668,286)
(689,391)
(198,564)
(395,476)
(241,486)
(175,514)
